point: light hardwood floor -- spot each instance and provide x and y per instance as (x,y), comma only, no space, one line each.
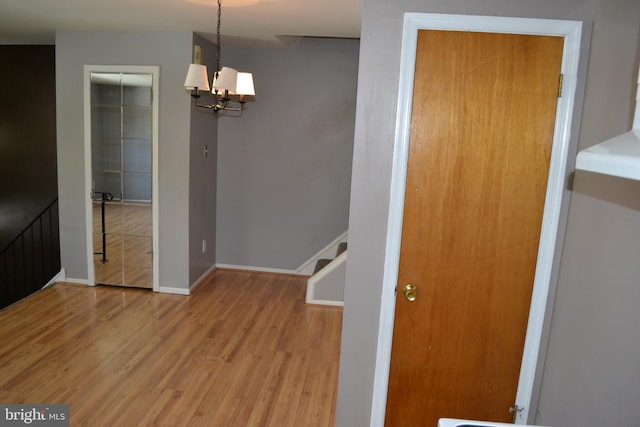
(129,244)
(242,350)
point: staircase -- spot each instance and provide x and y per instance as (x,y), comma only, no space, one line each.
(32,259)
(326,285)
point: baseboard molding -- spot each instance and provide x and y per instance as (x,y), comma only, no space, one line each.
(259,269)
(76,281)
(328,303)
(175,291)
(328,252)
(202,278)
(60,277)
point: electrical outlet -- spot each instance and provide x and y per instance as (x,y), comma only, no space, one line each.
(204,245)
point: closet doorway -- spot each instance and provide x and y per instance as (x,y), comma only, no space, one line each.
(121,122)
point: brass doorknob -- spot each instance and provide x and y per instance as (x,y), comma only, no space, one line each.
(410,292)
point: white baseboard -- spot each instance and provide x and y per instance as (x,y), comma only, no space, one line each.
(257,269)
(328,252)
(202,278)
(175,291)
(321,302)
(60,277)
(76,281)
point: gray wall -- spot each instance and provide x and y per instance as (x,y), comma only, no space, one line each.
(172,52)
(27,136)
(202,177)
(285,165)
(592,369)
(372,160)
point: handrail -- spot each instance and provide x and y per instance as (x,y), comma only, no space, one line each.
(105,197)
(32,259)
(29,226)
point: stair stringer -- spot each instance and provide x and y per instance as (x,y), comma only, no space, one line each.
(326,287)
(328,251)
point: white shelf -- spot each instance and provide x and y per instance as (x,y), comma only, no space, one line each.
(618,156)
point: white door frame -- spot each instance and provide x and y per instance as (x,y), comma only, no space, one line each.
(155,73)
(534,341)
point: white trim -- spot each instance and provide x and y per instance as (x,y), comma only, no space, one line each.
(538,315)
(202,278)
(91,271)
(170,290)
(162,289)
(328,251)
(155,86)
(258,269)
(571,31)
(59,277)
(77,281)
(155,176)
(326,271)
(617,156)
(326,302)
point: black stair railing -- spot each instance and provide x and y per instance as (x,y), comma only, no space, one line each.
(105,197)
(32,259)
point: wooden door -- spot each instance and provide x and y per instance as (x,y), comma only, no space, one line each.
(481,135)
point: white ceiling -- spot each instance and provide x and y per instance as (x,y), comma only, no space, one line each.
(259,23)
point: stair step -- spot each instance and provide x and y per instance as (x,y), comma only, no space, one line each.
(341,248)
(320,264)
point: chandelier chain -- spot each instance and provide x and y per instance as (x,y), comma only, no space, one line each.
(228,90)
(218,36)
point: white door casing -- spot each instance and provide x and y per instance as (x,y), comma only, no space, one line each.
(538,314)
(155,73)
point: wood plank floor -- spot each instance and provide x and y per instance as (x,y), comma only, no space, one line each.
(242,350)
(129,244)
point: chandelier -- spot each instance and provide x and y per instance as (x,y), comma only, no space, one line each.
(231,88)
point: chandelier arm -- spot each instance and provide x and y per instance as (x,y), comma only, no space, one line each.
(235,109)
(221,106)
(207,106)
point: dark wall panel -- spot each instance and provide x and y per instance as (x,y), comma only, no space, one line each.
(29,230)
(27,136)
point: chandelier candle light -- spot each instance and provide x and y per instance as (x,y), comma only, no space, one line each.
(230,87)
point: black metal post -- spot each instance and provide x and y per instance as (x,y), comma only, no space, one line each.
(105,198)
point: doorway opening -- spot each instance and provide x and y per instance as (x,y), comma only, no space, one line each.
(121,112)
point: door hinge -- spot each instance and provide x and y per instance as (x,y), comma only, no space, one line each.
(515,410)
(560,85)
